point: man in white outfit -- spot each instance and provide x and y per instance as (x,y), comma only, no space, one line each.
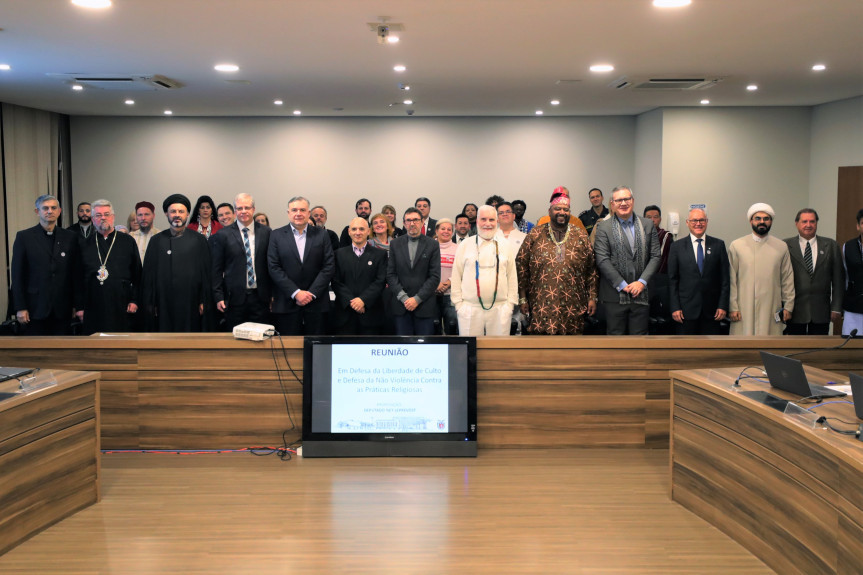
(484,282)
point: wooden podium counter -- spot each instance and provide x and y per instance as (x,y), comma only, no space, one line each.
(196,391)
(49,453)
(788,490)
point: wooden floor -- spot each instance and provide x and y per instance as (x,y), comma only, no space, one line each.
(593,511)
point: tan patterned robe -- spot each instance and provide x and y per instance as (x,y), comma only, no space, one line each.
(557,282)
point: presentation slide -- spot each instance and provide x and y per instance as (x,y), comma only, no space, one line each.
(383,388)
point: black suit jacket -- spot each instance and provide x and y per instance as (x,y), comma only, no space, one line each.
(76,229)
(698,295)
(228,252)
(817,295)
(420,280)
(430,227)
(363,277)
(334,239)
(288,273)
(43,278)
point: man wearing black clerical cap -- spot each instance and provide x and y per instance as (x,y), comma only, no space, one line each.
(177,278)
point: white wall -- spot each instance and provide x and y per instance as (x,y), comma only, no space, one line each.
(730,158)
(648,162)
(837,140)
(337,161)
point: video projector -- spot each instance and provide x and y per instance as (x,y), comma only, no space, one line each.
(254,331)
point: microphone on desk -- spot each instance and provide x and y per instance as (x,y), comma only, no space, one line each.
(841,345)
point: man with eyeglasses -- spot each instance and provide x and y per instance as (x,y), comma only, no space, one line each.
(627,255)
(762,279)
(413,275)
(507,229)
(698,279)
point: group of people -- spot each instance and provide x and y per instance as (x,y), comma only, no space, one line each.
(480,273)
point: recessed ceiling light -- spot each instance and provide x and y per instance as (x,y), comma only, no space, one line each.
(92,3)
(555,102)
(539,112)
(399,68)
(278,102)
(404,87)
(705,101)
(130,102)
(393,39)
(77,87)
(751,87)
(168,112)
(602,68)
(408,102)
(5,67)
(226,67)
(819,67)
(297,112)
(671,3)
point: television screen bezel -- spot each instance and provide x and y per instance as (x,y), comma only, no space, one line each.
(404,444)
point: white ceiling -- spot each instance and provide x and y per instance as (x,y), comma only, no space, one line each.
(464,57)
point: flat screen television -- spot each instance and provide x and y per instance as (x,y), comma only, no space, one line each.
(389,396)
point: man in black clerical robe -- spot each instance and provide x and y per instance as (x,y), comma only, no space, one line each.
(177,292)
(110,275)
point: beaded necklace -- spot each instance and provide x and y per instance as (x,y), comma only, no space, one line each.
(496,274)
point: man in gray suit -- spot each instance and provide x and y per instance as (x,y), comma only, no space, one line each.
(627,255)
(819,278)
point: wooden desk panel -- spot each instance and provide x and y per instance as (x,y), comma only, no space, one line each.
(172,390)
(789,493)
(49,455)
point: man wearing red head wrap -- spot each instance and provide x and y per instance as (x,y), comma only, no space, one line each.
(561,191)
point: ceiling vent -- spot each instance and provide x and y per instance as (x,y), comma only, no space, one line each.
(121,82)
(677,84)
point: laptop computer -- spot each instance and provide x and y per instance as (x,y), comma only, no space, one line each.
(14,372)
(856,382)
(786,373)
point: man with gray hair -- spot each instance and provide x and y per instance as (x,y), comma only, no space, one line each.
(627,256)
(762,279)
(44,261)
(241,279)
(301,264)
(110,275)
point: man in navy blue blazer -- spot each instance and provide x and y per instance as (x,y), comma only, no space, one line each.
(301,265)
(241,277)
(44,261)
(699,278)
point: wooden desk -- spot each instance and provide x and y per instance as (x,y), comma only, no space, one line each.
(792,494)
(49,453)
(210,391)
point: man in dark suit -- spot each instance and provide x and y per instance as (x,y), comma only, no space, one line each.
(319,217)
(413,275)
(363,209)
(627,256)
(428,224)
(44,261)
(301,264)
(84,226)
(359,281)
(819,278)
(699,279)
(241,278)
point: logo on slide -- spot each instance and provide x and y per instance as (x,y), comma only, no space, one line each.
(441,424)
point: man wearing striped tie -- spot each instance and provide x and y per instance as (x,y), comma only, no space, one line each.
(819,278)
(241,281)
(698,278)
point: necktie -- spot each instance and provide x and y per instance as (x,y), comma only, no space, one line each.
(807,258)
(699,256)
(250,268)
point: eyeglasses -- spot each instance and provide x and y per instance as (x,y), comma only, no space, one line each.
(697,222)
(623,200)
(412,220)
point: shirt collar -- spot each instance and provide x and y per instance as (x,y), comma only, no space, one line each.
(630,220)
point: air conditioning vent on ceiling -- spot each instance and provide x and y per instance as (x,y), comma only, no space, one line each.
(121,82)
(682,83)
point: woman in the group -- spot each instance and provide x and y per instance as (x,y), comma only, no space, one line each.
(390,213)
(381,233)
(470,211)
(132,223)
(447,315)
(202,219)
(262,219)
